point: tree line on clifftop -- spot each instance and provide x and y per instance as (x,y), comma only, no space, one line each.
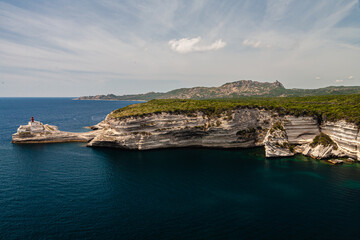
(325,108)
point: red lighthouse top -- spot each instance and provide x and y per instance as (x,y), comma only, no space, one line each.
(32,119)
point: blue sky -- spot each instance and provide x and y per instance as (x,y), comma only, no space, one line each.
(71,48)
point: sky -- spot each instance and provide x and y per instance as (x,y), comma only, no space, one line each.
(67,48)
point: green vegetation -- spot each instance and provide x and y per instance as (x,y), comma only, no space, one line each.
(323,139)
(292,148)
(283,145)
(334,107)
(277,126)
(246,133)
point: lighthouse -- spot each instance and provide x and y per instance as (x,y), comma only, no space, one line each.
(35,126)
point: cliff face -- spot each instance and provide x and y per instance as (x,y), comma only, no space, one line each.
(301,130)
(346,135)
(276,142)
(281,135)
(241,128)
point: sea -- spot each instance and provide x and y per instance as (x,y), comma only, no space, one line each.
(70,191)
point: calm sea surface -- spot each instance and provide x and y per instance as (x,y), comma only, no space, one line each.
(63,191)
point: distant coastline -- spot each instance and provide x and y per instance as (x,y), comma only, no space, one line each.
(233,90)
(109,100)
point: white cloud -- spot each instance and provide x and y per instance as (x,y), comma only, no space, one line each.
(317,78)
(339,80)
(350,77)
(187,45)
(60,43)
(271,39)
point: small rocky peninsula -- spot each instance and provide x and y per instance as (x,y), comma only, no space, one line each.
(245,127)
(37,132)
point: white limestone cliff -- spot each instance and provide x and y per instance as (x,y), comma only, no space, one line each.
(322,152)
(300,130)
(346,135)
(241,128)
(276,142)
(233,129)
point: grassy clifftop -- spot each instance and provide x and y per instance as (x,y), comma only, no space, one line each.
(335,107)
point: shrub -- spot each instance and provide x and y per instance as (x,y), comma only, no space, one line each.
(323,139)
(291,148)
(276,126)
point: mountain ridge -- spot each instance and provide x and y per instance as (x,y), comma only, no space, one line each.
(237,89)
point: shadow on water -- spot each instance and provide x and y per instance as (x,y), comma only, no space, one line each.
(194,185)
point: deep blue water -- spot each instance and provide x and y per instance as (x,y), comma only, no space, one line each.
(63,191)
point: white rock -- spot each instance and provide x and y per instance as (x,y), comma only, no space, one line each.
(301,130)
(346,135)
(240,128)
(277,144)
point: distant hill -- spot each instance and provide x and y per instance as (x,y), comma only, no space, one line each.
(238,89)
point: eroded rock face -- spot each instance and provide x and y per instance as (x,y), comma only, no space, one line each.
(36,132)
(234,129)
(276,142)
(346,135)
(240,128)
(301,130)
(322,152)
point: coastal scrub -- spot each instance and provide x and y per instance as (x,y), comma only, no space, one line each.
(325,108)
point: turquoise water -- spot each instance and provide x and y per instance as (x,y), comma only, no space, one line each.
(62,191)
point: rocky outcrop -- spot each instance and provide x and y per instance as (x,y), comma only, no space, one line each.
(346,135)
(322,147)
(241,128)
(321,151)
(276,142)
(34,127)
(36,132)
